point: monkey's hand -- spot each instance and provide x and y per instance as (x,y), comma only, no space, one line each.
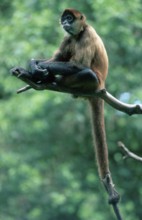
(38,70)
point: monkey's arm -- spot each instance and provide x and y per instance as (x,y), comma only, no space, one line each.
(61,55)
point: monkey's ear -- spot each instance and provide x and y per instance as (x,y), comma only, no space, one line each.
(82,17)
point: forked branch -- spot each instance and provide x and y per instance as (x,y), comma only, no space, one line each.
(127,153)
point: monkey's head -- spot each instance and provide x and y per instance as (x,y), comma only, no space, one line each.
(72,21)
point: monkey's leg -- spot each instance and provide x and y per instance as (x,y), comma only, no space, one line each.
(71,75)
(60,68)
(58,76)
(84,80)
(44,71)
(62,73)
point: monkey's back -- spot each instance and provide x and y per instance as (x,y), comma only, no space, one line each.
(88,50)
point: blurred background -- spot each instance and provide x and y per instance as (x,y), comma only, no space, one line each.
(47,162)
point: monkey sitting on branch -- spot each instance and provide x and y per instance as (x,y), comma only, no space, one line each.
(80,67)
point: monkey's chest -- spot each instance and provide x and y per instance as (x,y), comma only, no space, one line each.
(81,54)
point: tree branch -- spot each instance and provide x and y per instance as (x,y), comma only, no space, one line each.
(130,109)
(127,153)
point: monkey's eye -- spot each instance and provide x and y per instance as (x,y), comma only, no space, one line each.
(69,18)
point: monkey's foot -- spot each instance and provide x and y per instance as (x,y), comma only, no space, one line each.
(114,197)
(19,72)
(24,75)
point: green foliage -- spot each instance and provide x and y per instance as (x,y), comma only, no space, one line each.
(47,167)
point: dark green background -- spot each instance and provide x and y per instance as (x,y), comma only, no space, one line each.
(47,166)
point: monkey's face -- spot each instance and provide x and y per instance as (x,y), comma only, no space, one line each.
(72,24)
(67,21)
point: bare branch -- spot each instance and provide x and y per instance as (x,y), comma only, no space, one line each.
(127,153)
(130,109)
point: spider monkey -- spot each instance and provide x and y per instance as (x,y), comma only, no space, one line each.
(81,62)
